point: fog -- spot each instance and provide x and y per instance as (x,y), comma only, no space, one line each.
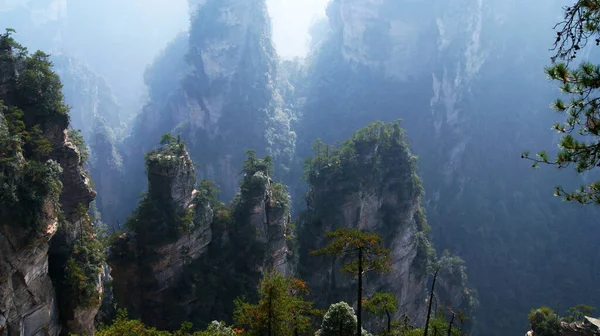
(291,20)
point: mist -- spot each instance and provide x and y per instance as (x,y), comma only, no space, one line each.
(219,141)
(291,21)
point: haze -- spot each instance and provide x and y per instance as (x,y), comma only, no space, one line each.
(291,20)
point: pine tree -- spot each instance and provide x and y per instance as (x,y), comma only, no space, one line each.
(383,304)
(365,253)
(580,142)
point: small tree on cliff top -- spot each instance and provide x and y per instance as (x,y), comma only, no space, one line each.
(364,252)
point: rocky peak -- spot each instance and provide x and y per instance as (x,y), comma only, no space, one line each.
(266,204)
(369,183)
(181,236)
(170,228)
(588,327)
(171,174)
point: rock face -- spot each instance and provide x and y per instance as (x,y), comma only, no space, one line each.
(96,113)
(370,184)
(45,196)
(27,298)
(181,236)
(271,219)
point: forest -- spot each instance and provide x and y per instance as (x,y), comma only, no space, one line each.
(415,168)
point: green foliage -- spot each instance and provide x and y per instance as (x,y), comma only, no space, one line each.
(339,320)
(8,46)
(350,243)
(85,263)
(29,184)
(156,218)
(39,86)
(169,154)
(216,328)
(76,138)
(123,325)
(363,252)
(278,196)
(544,322)
(426,254)
(383,304)
(256,173)
(281,309)
(207,192)
(578,312)
(25,187)
(580,142)
(372,150)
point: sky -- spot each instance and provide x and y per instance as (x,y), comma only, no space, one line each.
(291,20)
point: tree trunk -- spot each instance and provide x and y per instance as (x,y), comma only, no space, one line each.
(359,303)
(270,326)
(389,322)
(450,325)
(430,303)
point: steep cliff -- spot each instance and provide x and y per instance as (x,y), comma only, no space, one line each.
(45,195)
(187,256)
(96,113)
(442,68)
(223,100)
(369,182)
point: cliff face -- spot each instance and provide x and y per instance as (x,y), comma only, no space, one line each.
(43,207)
(181,236)
(27,298)
(370,183)
(89,96)
(95,112)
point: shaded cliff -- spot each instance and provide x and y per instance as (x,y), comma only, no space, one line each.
(45,196)
(187,256)
(369,182)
